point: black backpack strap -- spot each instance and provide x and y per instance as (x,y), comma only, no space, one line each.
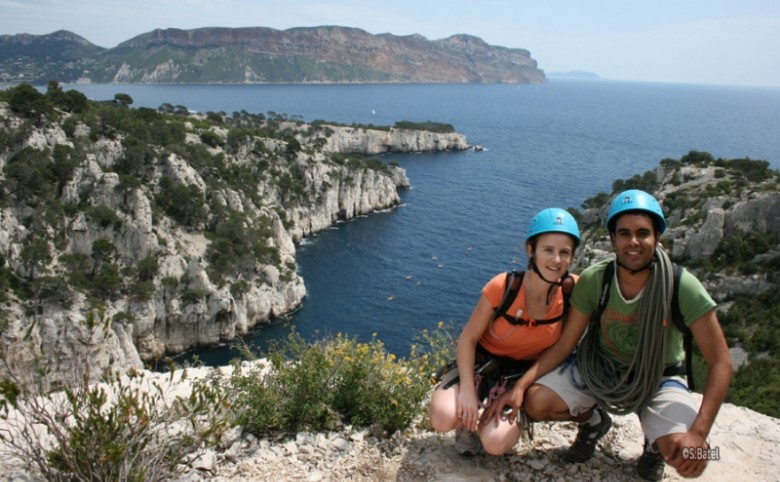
(609,273)
(677,319)
(567,286)
(514,279)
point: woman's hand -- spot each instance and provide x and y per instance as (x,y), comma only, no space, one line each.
(467,409)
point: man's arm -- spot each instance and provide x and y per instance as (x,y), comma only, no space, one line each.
(712,343)
(709,337)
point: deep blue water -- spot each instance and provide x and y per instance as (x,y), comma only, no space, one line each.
(464,218)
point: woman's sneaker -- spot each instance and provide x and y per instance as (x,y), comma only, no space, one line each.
(467,442)
(587,437)
(650,465)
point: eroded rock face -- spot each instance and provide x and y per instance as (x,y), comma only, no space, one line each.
(187,307)
(367,141)
(698,222)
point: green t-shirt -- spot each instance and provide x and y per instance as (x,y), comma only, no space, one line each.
(619,332)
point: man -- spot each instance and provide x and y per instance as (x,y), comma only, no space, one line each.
(628,361)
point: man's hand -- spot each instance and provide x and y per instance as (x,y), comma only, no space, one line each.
(688,453)
(511,400)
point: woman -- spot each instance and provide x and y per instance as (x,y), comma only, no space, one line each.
(500,348)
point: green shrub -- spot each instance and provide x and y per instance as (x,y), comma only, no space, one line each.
(147,268)
(698,158)
(426,126)
(753,171)
(600,199)
(315,386)
(185,204)
(142,290)
(104,216)
(646,182)
(25,100)
(757,386)
(211,138)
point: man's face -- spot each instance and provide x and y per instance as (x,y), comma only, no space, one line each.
(634,240)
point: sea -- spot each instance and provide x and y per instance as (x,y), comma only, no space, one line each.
(390,275)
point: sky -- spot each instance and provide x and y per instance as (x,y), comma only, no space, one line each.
(725,42)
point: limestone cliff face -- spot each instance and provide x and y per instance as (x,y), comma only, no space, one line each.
(187,307)
(368,141)
(705,206)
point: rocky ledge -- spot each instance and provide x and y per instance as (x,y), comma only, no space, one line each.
(747,444)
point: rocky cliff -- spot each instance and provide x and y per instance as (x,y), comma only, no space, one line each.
(176,244)
(257,54)
(723,221)
(367,141)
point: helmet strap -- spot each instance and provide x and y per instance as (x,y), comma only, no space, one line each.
(553,284)
(632,272)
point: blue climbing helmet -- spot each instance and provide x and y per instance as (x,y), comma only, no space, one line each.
(554,220)
(635,200)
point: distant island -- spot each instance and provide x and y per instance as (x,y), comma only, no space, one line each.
(328,54)
(574,75)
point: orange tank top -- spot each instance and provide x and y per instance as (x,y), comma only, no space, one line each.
(520,342)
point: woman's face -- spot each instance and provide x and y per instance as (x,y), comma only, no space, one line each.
(553,254)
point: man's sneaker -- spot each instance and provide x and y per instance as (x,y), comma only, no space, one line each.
(467,442)
(650,465)
(587,437)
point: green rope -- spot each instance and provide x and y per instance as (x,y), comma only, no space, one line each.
(625,387)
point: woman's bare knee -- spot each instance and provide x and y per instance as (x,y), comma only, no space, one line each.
(498,439)
(441,411)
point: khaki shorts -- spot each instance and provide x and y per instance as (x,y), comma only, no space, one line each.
(672,409)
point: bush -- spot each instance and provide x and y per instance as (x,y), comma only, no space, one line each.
(315,386)
(211,139)
(184,203)
(757,386)
(104,216)
(25,100)
(698,158)
(753,171)
(430,126)
(646,182)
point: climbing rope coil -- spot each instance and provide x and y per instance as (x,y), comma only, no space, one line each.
(626,387)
